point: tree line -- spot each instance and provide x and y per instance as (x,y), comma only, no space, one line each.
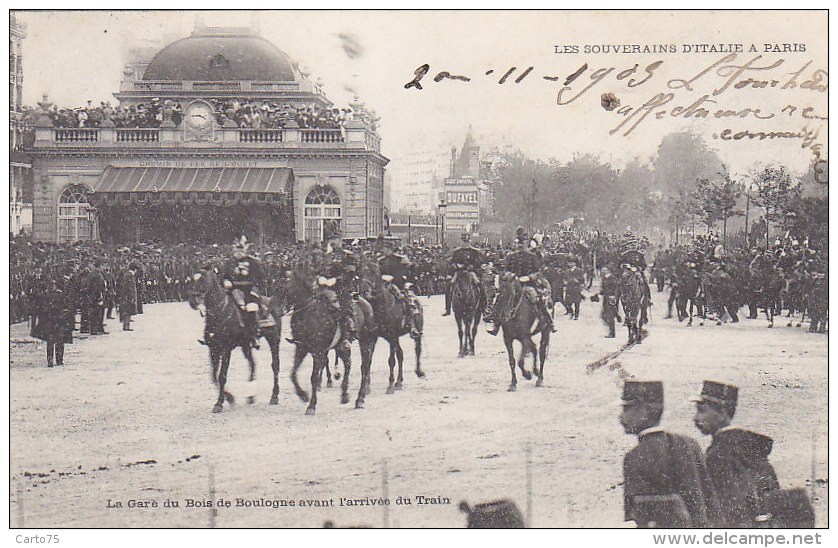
(685,189)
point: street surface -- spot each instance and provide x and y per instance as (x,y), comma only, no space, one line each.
(128,418)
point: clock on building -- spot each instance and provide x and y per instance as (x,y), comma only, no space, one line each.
(198,115)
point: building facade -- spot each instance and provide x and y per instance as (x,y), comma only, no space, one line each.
(197,174)
(20,211)
(418,179)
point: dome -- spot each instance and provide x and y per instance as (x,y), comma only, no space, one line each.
(219,58)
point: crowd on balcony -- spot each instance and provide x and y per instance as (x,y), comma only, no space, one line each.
(243,113)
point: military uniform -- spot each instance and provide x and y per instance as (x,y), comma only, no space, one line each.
(244,278)
(340,271)
(465,261)
(394,268)
(608,291)
(525,264)
(665,470)
(737,461)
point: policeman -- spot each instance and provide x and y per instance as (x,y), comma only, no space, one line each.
(242,277)
(574,280)
(608,291)
(665,479)
(737,459)
(394,268)
(340,271)
(466,260)
(633,259)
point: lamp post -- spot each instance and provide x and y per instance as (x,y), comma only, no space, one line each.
(442,206)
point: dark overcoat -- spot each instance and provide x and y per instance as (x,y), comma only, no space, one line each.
(663,463)
(55,318)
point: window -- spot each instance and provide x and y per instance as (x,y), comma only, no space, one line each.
(74,220)
(322,213)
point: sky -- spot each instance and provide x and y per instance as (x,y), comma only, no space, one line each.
(77,56)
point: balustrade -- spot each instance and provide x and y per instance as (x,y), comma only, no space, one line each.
(321,136)
(137,135)
(260,135)
(74,135)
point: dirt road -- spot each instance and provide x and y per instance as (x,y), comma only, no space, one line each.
(128,418)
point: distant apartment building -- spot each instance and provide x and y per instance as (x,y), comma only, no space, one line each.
(417,179)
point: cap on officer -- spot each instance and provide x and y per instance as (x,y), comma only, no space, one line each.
(498,514)
(635,392)
(723,395)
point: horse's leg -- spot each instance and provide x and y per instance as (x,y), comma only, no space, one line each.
(542,355)
(273,344)
(215,362)
(475,322)
(417,350)
(459,321)
(526,346)
(345,353)
(222,379)
(337,371)
(510,352)
(534,351)
(366,359)
(400,358)
(690,323)
(372,344)
(391,361)
(319,362)
(299,354)
(329,371)
(247,350)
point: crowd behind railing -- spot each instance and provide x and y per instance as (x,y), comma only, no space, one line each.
(240,113)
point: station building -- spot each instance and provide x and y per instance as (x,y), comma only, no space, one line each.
(199,180)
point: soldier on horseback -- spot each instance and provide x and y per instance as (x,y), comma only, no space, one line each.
(340,272)
(394,268)
(466,260)
(242,277)
(525,264)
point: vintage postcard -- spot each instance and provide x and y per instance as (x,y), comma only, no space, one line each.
(419,269)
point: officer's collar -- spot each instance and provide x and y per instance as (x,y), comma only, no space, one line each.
(650,430)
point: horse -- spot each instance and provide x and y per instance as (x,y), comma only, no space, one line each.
(468,302)
(517,314)
(688,285)
(633,296)
(390,317)
(224,330)
(315,330)
(766,289)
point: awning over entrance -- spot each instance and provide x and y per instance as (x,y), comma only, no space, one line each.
(230,185)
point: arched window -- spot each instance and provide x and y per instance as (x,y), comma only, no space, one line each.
(322,213)
(75,220)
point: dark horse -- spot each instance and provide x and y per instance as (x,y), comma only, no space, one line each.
(224,330)
(315,330)
(633,296)
(390,317)
(468,304)
(517,315)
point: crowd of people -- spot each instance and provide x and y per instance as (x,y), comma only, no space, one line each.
(789,275)
(242,113)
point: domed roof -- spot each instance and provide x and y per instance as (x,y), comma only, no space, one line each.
(219,58)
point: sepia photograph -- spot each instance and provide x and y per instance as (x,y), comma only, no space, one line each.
(420,269)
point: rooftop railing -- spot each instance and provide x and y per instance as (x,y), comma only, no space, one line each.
(350,138)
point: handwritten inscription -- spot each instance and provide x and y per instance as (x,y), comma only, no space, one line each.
(703,94)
